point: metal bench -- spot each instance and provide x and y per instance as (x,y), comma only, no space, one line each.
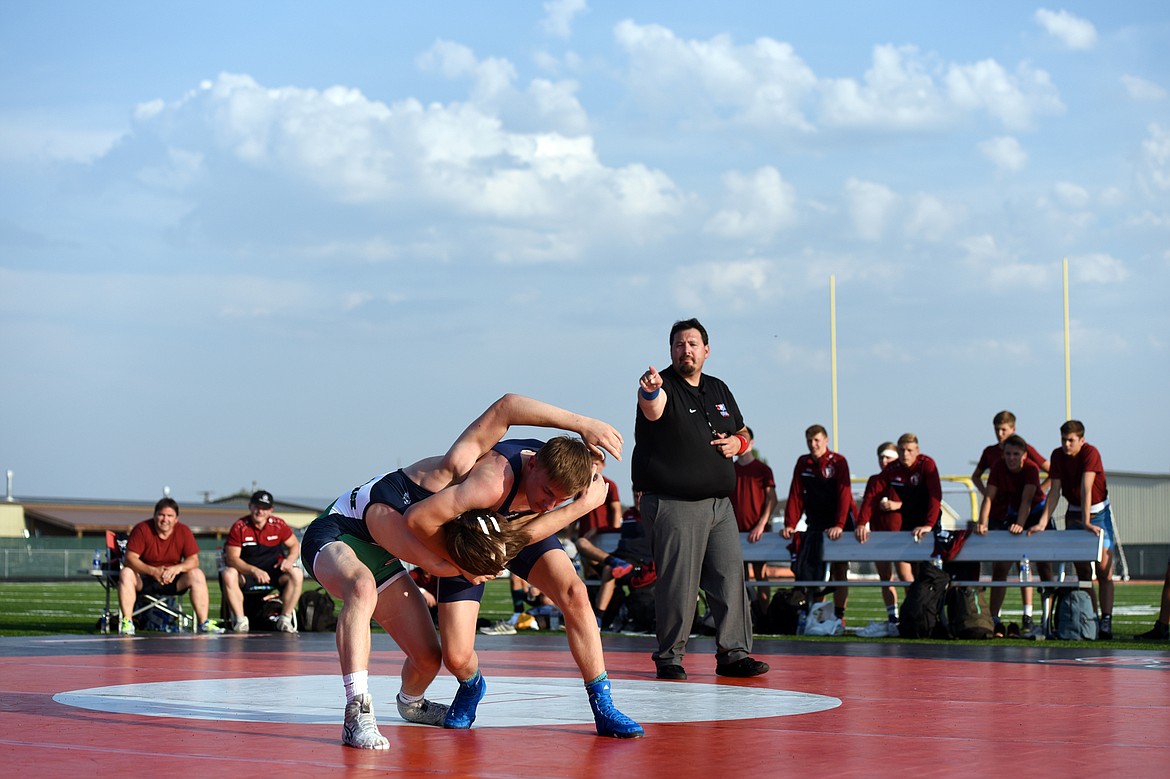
(1050,546)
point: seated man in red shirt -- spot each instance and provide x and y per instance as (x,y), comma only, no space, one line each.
(261,549)
(162,558)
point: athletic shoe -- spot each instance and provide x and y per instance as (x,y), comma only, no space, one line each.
(210,626)
(610,721)
(877,630)
(422,711)
(672,672)
(284,623)
(500,628)
(998,631)
(461,713)
(620,568)
(742,668)
(1032,632)
(1160,632)
(1105,628)
(1013,631)
(240,625)
(126,627)
(361,729)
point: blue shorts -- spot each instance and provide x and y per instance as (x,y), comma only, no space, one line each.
(456,588)
(1102,519)
(332,528)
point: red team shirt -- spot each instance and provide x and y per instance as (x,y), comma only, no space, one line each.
(261,548)
(1009,489)
(1070,470)
(752,482)
(881,520)
(598,519)
(155,551)
(821,491)
(994,453)
(917,487)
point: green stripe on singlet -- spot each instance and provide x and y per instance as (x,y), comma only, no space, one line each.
(380,562)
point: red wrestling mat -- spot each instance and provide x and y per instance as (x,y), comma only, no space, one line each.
(903,709)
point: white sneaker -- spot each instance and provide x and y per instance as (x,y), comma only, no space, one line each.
(240,625)
(501,628)
(360,729)
(875,630)
(284,623)
(423,712)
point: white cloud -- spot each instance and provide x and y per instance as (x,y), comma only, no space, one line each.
(696,287)
(760,84)
(1000,270)
(1097,269)
(1013,99)
(458,159)
(1071,195)
(558,19)
(1156,158)
(1141,89)
(871,206)
(897,91)
(758,206)
(36,137)
(931,219)
(1004,152)
(1072,31)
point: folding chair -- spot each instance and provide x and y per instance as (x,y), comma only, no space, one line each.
(149,606)
(107,575)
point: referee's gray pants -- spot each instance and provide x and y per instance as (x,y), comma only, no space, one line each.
(696,544)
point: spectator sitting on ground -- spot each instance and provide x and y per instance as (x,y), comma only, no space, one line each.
(262,550)
(162,559)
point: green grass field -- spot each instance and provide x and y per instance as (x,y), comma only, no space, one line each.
(50,608)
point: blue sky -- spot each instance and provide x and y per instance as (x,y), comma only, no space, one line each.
(300,244)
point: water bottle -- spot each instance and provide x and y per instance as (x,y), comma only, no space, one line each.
(96,570)
(1025,569)
(801,621)
(936,561)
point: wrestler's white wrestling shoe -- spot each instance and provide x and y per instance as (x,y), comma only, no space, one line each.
(422,711)
(361,729)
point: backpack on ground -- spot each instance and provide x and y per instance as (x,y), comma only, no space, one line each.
(967,614)
(315,611)
(924,602)
(640,609)
(1073,616)
(784,611)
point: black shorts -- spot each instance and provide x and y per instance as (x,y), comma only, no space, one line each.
(151,586)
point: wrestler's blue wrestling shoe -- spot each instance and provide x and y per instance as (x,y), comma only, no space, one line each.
(462,711)
(610,721)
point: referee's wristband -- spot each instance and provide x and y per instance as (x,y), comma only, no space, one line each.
(649,395)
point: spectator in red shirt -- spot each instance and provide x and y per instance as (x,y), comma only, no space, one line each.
(1014,502)
(753,501)
(1004,424)
(822,492)
(261,549)
(1078,476)
(162,558)
(886,518)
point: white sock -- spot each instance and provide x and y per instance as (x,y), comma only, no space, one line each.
(404,698)
(356,683)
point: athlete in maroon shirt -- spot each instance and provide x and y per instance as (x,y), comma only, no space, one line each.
(1077,471)
(822,492)
(1004,424)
